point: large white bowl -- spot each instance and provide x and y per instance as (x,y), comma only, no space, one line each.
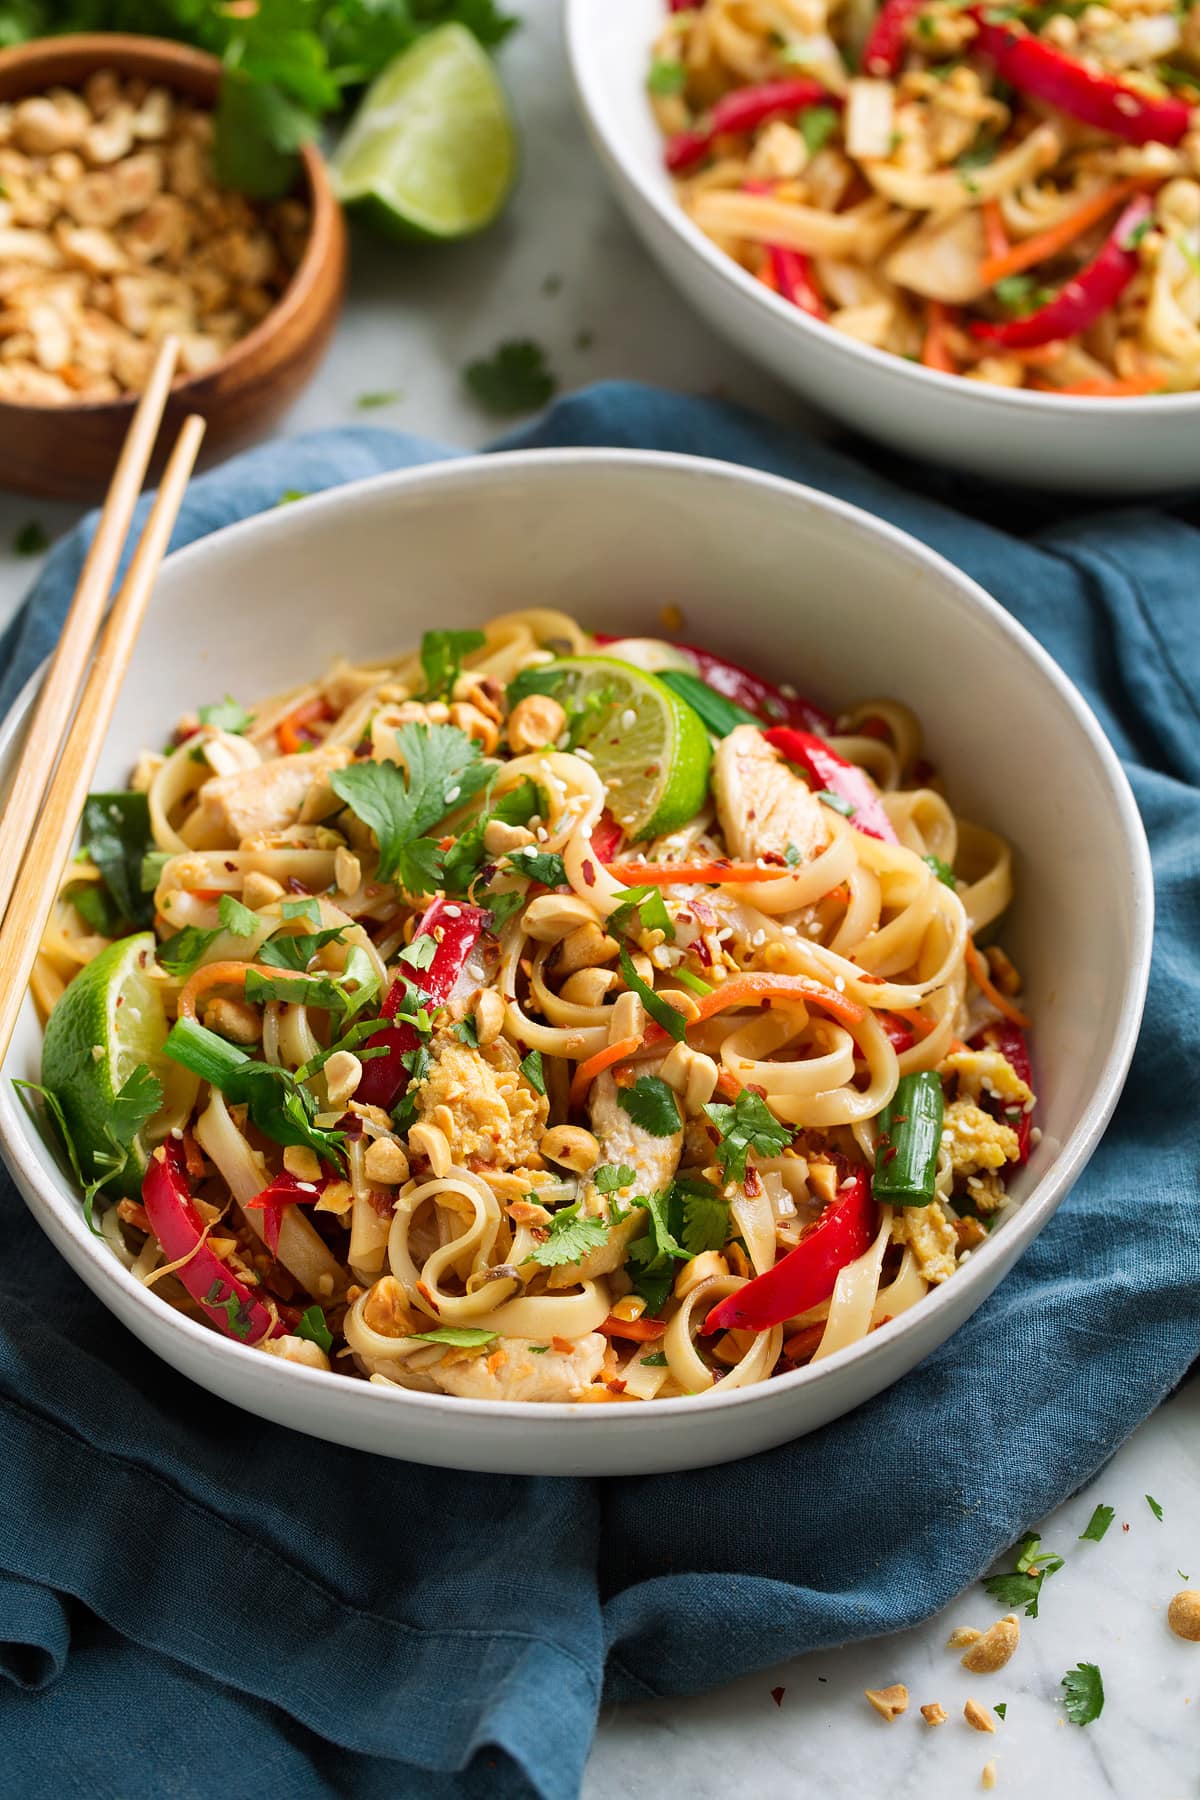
(784,579)
(1135,446)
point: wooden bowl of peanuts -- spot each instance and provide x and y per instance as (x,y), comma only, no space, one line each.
(113,232)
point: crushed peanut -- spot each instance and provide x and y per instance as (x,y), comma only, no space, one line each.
(934,1713)
(997,1644)
(988,1778)
(114,233)
(889,1702)
(1183,1615)
(962,1635)
(978,1717)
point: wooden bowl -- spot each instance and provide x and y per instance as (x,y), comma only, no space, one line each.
(69,451)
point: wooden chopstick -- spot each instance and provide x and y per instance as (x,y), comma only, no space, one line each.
(56,701)
(40,874)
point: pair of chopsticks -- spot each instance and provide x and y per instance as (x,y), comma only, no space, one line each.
(39,822)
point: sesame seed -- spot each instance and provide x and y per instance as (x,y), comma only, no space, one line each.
(628,719)
(542,835)
(586,754)
(453,912)
(452,795)
(839,982)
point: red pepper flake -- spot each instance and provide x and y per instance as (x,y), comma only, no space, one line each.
(752,1184)
(589,872)
(777,1695)
(297,886)
(891,1153)
(1124,1528)
(427,1296)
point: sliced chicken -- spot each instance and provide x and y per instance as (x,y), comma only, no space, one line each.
(653,1160)
(522,1375)
(762,806)
(266,798)
(941,259)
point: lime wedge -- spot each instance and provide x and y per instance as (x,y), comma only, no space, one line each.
(109,1020)
(648,746)
(432,150)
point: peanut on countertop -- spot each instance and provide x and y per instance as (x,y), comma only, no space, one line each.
(114,233)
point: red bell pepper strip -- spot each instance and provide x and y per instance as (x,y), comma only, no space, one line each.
(791,270)
(457,928)
(1035,67)
(807,1274)
(834,775)
(684,5)
(224,1299)
(1086,296)
(606,837)
(745,109)
(284,1191)
(883,51)
(1011,1042)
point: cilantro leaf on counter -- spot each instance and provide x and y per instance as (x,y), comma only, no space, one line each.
(651,1104)
(1022,1586)
(1083,1692)
(749,1124)
(467,1032)
(1001,1710)
(1097,1525)
(1155,1508)
(369,402)
(514,379)
(442,768)
(570,1238)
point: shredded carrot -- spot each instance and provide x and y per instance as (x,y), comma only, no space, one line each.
(1098,389)
(290,731)
(728,1085)
(758,990)
(918,1022)
(224,974)
(935,351)
(803,1345)
(638,1331)
(714,874)
(1045,244)
(994,234)
(977,964)
(587,1071)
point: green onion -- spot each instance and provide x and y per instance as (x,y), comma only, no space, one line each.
(672,1022)
(910,1136)
(719,714)
(688,980)
(204,1053)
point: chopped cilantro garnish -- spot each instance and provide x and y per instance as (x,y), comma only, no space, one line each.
(280,1106)
(1022,1587)
(570,1238)
(308,908)
(421,952)
(116,835)
(226,715)
(650,907)
(791,856)
(442,768)
(531,1069)
(385,397)
(817,126)
(1083,1692)
(502,907)
(652,1106)
(652,1257)
(942,870)
(610,1178)
(467,857)
(514,379)
(656,1361)
(235,917)
(660,1010)
(545,866)
(837,802)
(1155,1508)
(1020,295)
(232,1305)
(748,1124)
(180,954)
(705,1215)
(666,77)
(1097,1525)
(1001,1710)
(459,1337)
(466,1033)
(295,950)
(442,654)
(313,1327)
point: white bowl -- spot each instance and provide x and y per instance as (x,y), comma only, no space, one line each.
(1135,446)
(784,579)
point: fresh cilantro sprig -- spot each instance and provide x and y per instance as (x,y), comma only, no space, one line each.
(442,654)
(651,1104)
(1155,1508)
(458,1337)
(610,1178)
(180,954)
(570,1238)
(226,715)
(137,1100)
(532,1070)
(652,1257)
(443,767)
(1083,1693)
(749,1124)
(1022,1586)
(467,857)
(546,866)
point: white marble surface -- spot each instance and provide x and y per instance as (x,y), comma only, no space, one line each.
(562,264)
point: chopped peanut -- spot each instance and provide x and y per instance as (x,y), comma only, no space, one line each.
(385,1161)
(888,1702)
(961,1636)
(991,1651)
(934,1713)
(988,1777)
(978,1717)
(1183,1615)
(534,722)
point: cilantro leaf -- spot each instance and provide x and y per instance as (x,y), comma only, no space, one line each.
(1083,1692)
(836,802)
(535,1075)
(514,379)
(279,1105)
(466,857)
(570,1238)
(182,952)
(442,654)
(295,950)
(610,1178)
(1022,1586)
(116,835)
(95,906)
(235,917)
(232,1305)
(705,1215)
(817,126)
(460,1337)
(650,907)
(226,715)
(651,1104)
(667,76)
(660,1010)
(368,402)
(420,953)
(137,1100)
(1097,1525)
(1155,1508)
(748,1124)
(442,768)
(656,1361)
(308,908)
(1001,1710)
(942,870)
(467,1032)
(652,1257)
(313,1327)
(358,1033)
(546,866)
(502,907)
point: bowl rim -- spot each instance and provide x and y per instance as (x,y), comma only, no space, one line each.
(110,48)
(674,219)
(36,1161)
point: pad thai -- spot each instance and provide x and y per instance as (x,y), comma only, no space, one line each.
(1007,192)
(538,1016)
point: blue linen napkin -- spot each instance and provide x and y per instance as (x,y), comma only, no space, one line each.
(196,1603)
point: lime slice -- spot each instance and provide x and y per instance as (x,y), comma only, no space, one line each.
(649,748)
(432,149)
(112,1007)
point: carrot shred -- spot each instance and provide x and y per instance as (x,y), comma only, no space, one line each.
(760,990)
(1098,389)
(289,733)
(224,974)
(920,1024)
(994,234)
(1048,243)
(587,1071)
(987,987)
(638,1331)
(715,874)
(935,351)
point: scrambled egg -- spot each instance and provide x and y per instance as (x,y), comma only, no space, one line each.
(931,1236)
(488,1111)
(975,1140)
(986,1071)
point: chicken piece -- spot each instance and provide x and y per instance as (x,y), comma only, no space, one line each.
(494,1115)
(653,1160)
(266,798)
(941,259)
(975,1140)
(761,805)
(986,1072)
(932,1237)
(521,1375)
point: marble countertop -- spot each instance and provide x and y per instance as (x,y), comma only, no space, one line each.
(563,268)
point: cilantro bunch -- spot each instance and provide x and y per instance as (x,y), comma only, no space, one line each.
(288,63)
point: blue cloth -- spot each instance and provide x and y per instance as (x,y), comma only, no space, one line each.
(195,1603)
